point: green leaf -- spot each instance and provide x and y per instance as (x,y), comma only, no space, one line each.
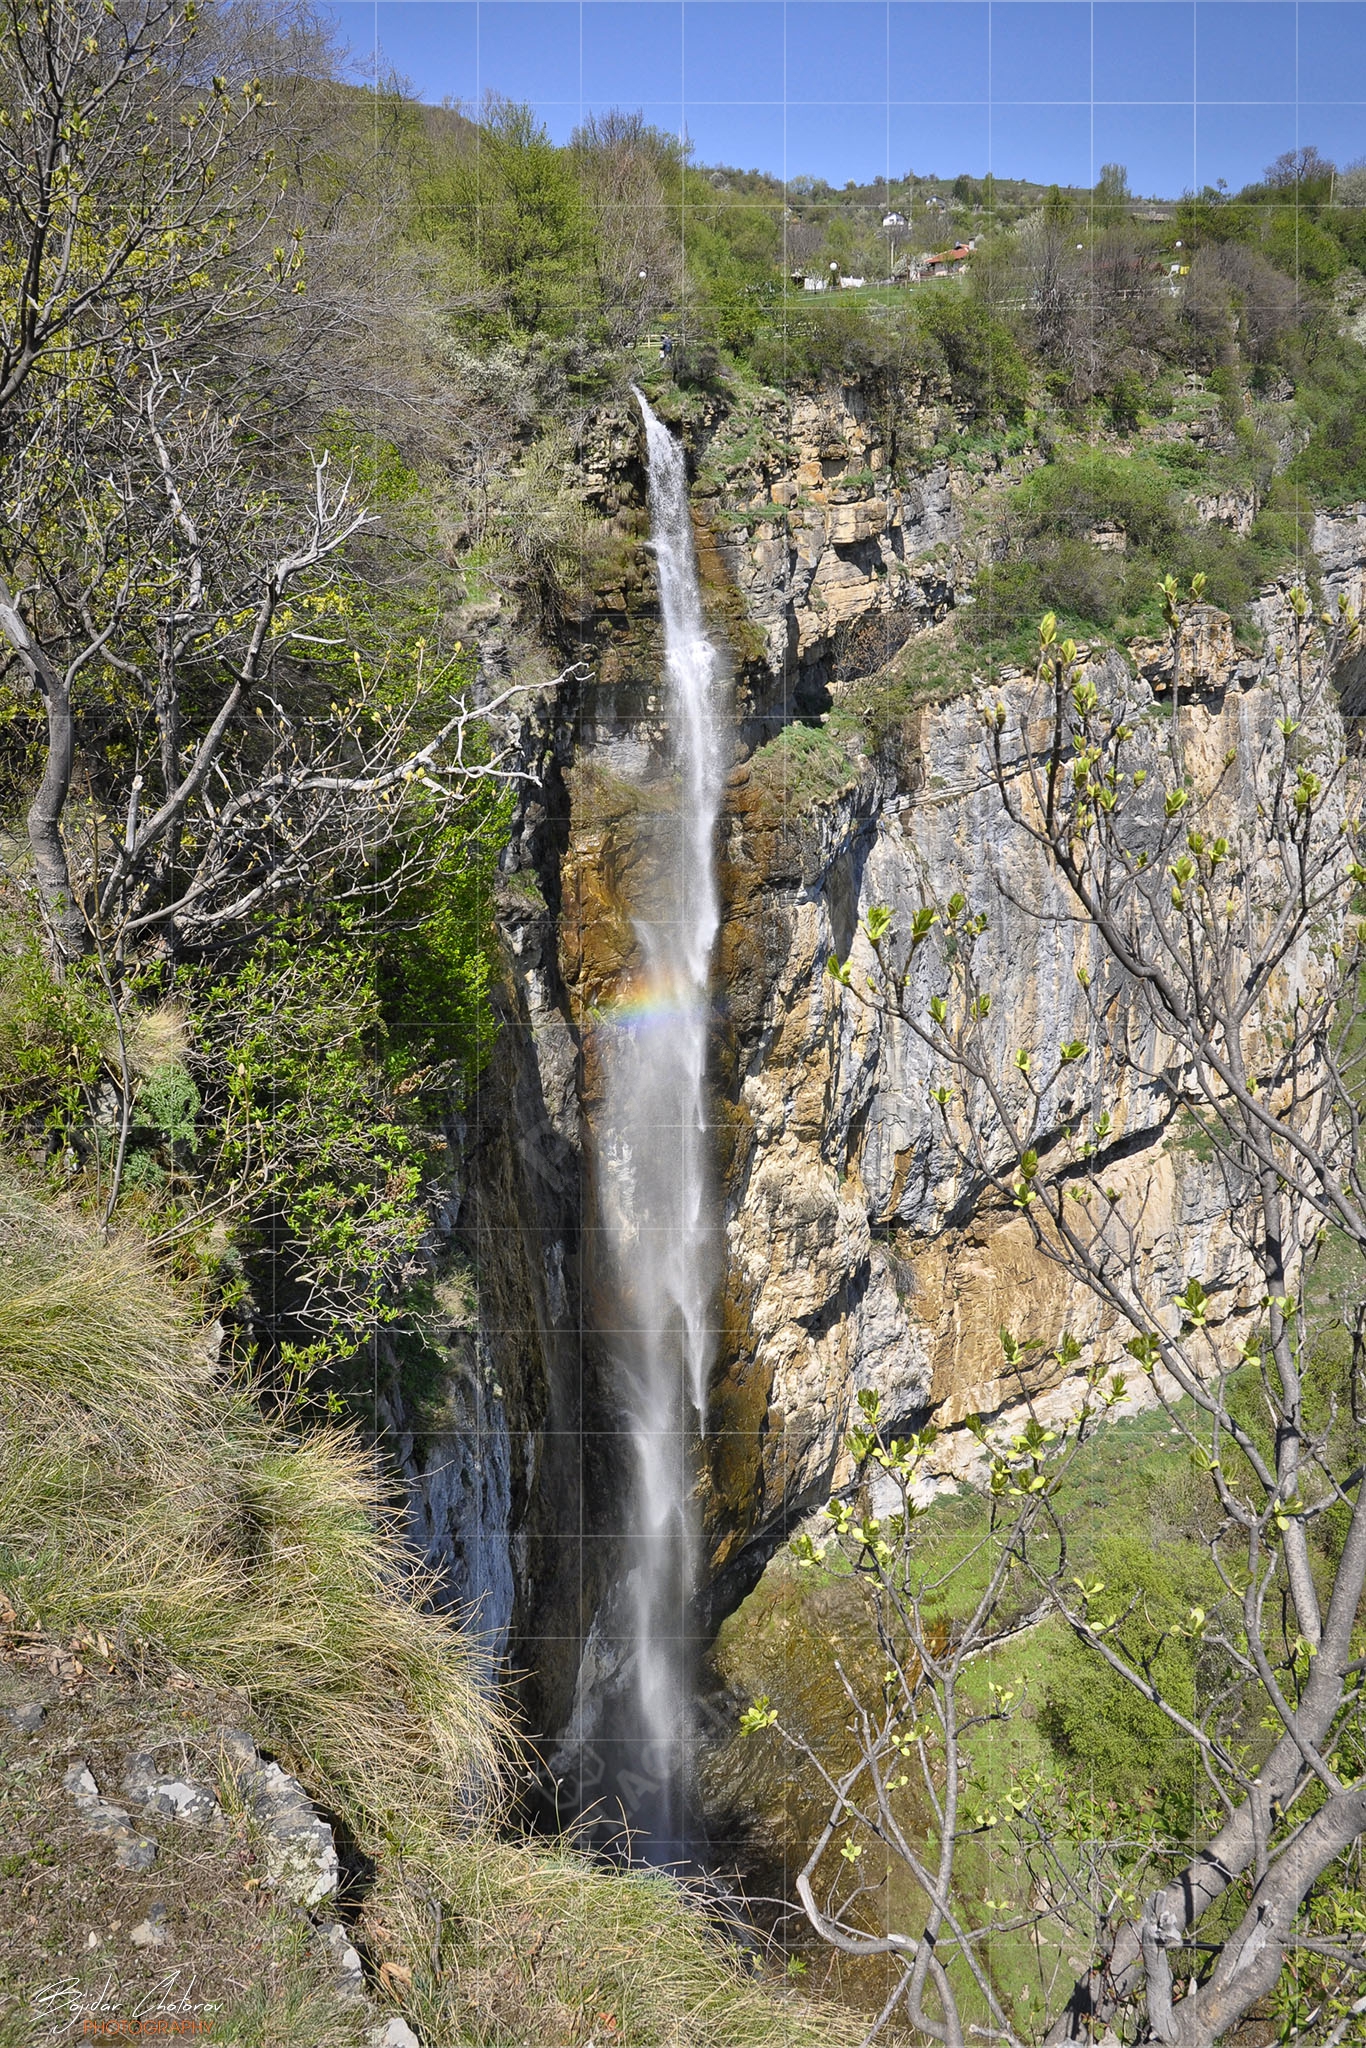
(761,1715)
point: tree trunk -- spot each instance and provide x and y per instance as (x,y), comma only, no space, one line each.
(67,931)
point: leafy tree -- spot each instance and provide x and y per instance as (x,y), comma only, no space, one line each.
(1301,248)
(1112,186)
(985,370)
(514,201)
(1058,211)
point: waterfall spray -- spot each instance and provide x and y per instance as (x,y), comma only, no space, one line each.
(657,1197)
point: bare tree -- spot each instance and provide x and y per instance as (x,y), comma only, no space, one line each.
(139,197)
(632,181)
(1210,890)
(137,206)
(179,579)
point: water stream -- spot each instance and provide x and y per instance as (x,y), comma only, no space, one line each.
(657,1199)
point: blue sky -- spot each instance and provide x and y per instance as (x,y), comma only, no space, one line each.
(1183,92)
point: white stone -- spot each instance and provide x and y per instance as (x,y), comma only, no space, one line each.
(393,2033)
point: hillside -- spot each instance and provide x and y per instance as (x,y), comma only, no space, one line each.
(343,867)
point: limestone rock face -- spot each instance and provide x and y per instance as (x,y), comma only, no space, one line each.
(1235,509)
(1340,545)
(858,1254)
(1209,660)
(828,542)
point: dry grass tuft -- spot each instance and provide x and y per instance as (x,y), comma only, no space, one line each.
(159,1036)
(508,1942)
(144,1495)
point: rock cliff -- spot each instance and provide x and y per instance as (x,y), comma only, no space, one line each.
(856,1255)
(860,1255)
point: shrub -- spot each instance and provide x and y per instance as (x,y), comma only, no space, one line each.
(57,1042)
(1101,1729)
(1073,497)
(1126,401)
(1050,562)
(985,370)
(1302,249)
(1332,468)
(307,1146)
(832,337)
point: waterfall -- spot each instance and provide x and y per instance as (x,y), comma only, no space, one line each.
(657,1204)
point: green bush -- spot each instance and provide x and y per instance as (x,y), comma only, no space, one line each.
(1101,1729)
(434,955)
(832,337)
(986,372)
(1051,563)
(1126,401)
(58,1043)
(1332,391)
(169,1101)
(306,1144)
(1303,250)
(1073,497)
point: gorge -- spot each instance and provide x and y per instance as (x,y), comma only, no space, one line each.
(851,1257)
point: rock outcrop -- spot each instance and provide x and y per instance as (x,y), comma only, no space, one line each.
(838,560)
(860,1252)
(1340,549)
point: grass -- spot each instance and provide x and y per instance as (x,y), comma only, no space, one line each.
(537,1947)
(804,765)
(1134,1479)
(152,1513)
(143,1495)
